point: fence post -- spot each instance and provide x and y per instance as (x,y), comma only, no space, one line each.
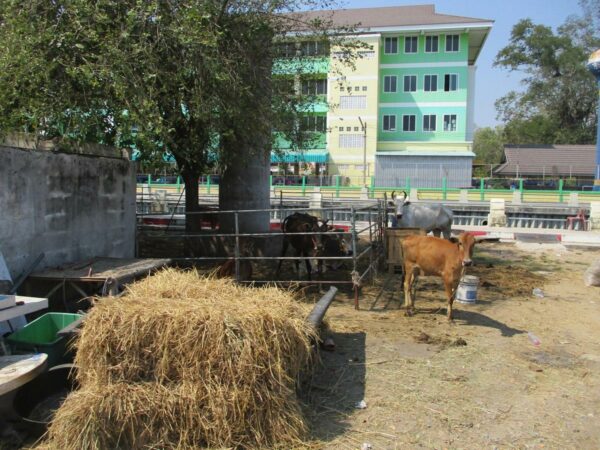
(444,188)
(208,184)
(303,185)
(407,184)
(521,185)
(178,184)
(372,193)
(337,185)
(481,190)
(149,180)
(270,180)
(561,184)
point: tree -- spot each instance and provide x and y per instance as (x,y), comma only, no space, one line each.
(560,97)
(488,146)
(189,76)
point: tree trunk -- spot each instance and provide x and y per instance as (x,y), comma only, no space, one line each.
(244,186)
(192,221)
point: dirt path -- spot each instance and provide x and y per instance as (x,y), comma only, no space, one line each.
(424,388)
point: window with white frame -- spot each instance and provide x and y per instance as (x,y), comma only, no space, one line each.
(411,44)
(409,122)
(429,122)
(450,82)
(351,141)
(431,44)
(390,45)
(430,83)
(353,102)
(410,83)
(389,83)
(452,42)
(389,122)
(449,122)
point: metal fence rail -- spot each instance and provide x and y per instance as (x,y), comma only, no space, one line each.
(242,245)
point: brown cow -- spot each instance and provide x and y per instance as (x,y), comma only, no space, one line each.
(428,255)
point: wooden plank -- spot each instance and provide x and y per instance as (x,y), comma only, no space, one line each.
(16,370)
(101,269)
(30,304)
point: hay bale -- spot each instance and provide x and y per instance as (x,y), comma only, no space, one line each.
(183,361)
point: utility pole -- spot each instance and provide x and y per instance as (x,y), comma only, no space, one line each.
(364,130)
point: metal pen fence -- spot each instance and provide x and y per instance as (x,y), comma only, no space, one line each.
(366,238)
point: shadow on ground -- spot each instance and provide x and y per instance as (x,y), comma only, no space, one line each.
(337,386)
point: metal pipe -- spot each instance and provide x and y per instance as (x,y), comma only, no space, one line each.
(318,312)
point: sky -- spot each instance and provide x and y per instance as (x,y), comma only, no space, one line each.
(492,83)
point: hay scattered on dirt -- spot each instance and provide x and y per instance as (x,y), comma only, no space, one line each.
(511,281)
(188,362)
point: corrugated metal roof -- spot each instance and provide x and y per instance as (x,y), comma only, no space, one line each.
(313,156)
(425,153)
(392,16)
(559,160)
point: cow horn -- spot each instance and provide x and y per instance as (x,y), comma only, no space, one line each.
(405,194)
(394,195)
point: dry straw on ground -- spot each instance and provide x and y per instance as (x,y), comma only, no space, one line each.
(188,362)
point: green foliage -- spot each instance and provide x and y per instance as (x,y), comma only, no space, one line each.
(488,146)
(190,76)
(560,98)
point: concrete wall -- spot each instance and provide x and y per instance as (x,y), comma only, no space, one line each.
(69,206)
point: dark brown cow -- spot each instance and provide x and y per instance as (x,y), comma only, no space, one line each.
(306,245)
(428,255)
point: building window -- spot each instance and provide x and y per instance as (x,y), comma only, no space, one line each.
(389,123)
(389,83)
(410,83)
(431,44)
(449,122)
(351,141)
(430,84)
(314,87)
(429,122)
(391,45)
(450,82)
(314,123)
(409,122)
(348,128)
(364,88)
(452,41)
(356,88)
(353,102)
(411,44)
(314,48)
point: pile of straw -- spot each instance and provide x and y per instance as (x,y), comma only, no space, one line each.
(186,362)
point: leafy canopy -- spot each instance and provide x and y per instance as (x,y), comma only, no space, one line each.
(558,104)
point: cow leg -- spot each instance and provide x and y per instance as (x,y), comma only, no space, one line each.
(447,233)
(408,280)
(308,267)
(437,233)
(450,287)
(283,252)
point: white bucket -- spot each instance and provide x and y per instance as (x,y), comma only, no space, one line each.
(467,289)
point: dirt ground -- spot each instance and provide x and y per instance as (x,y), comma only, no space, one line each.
(478,382)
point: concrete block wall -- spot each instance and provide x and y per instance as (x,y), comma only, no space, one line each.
(70,206)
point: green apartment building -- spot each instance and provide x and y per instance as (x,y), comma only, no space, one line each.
(405,113)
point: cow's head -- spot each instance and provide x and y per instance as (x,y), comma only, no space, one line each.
(466,244)
(399,203)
